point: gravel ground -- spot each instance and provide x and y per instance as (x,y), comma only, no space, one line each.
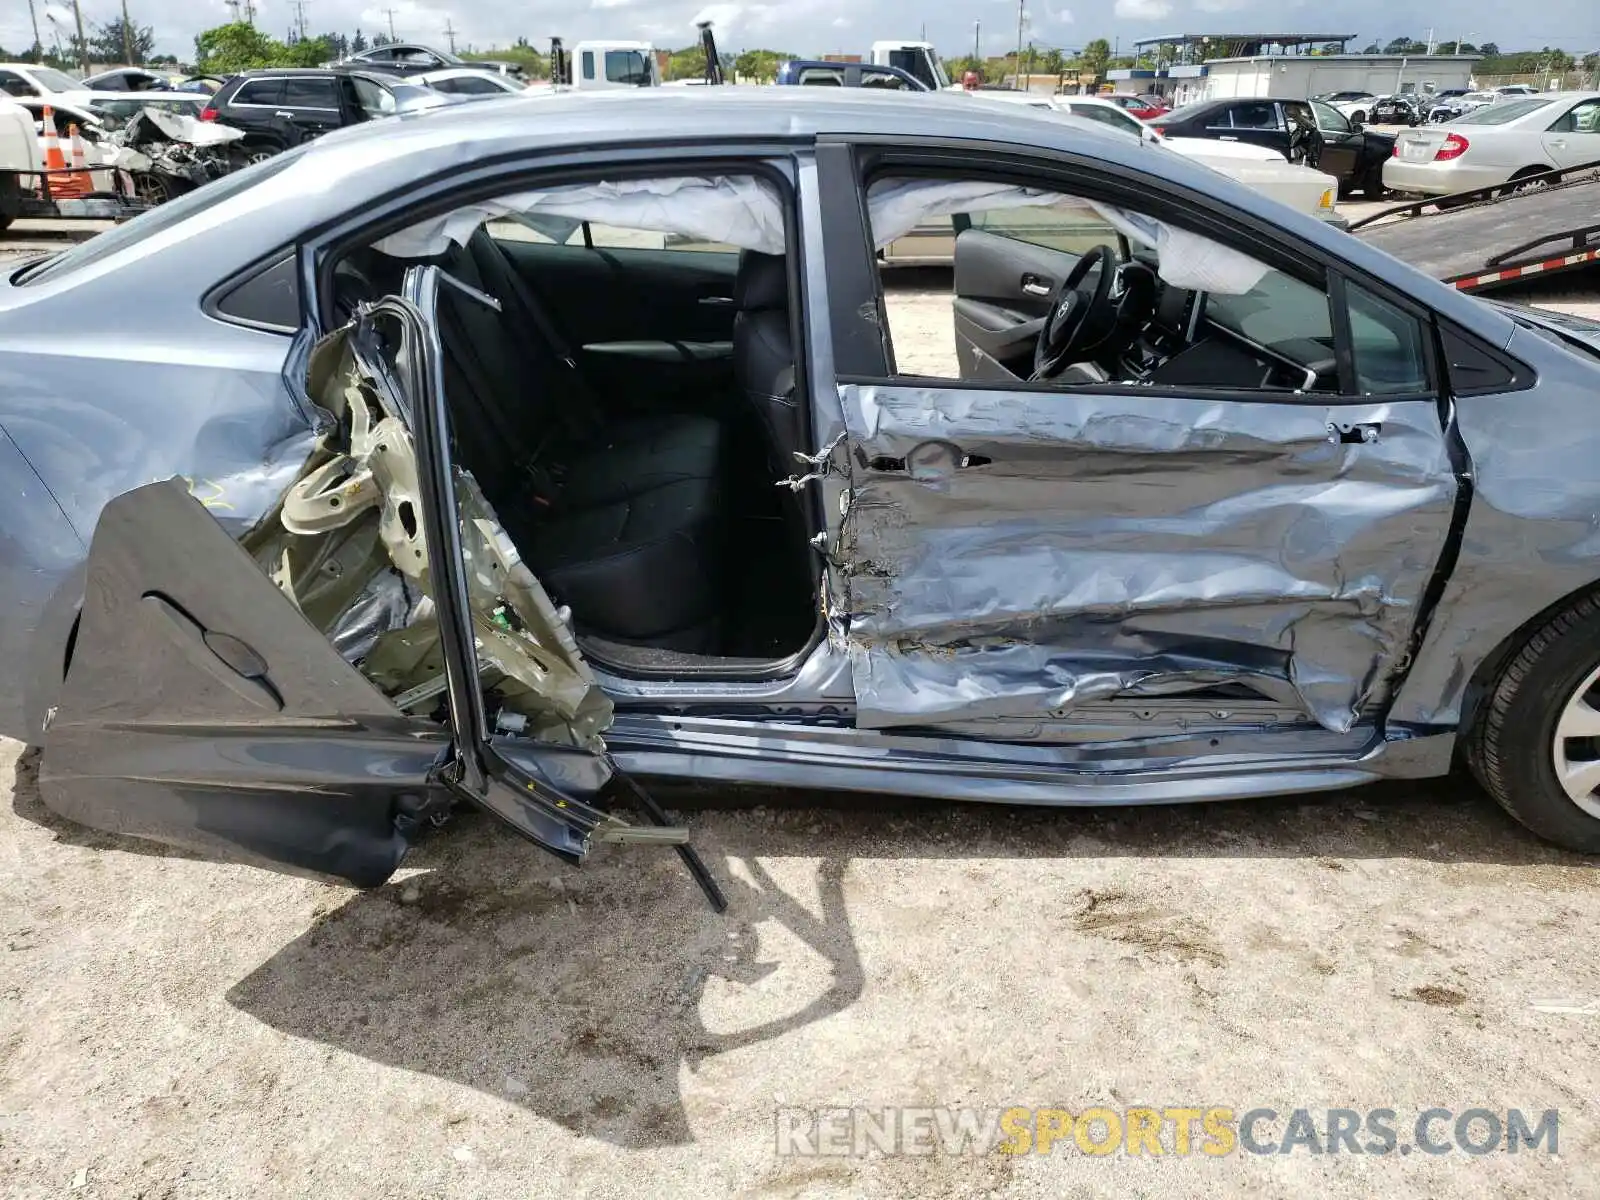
(491,1024)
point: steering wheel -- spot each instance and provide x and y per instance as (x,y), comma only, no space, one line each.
(1079,321)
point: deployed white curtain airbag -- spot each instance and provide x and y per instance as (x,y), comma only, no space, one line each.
(1187,260)
(739,211)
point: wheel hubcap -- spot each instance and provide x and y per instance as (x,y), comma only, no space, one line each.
(1576,750)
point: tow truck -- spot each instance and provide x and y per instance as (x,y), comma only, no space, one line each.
(1491,236)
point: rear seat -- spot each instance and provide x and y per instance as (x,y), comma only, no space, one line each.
(620,518)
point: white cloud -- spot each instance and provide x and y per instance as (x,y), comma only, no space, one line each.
(1143,10)
(1221,6)
(842,22)
(1060,16)
(609,3)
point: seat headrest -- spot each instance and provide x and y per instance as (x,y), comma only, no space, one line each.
(762,284)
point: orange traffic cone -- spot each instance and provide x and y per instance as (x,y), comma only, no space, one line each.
(80,161)
(59,185)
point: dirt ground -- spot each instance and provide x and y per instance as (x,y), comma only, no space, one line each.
(492,1024)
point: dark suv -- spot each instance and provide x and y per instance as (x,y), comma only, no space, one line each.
(278,109)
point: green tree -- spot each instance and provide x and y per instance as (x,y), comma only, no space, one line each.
(307,52)
(239,46)
(1374,48)
(108,44)
(359,42)
(688,63)
(760,65)
(1489,50)
(533,64)
(1096,55)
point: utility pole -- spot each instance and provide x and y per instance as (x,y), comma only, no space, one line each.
(127,37)
(1022,15)
(33,16)
(83,45)
(449,32)
(250,12)
(389,12)
(977,42)
(300,19)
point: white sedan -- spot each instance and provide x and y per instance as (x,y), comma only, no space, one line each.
(1498,144)
(1259,167)
(464,82)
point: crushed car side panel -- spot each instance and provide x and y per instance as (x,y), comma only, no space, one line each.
(1531,536)
(1015,554)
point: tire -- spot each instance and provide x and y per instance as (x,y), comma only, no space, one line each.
(1372,182)
(1512,188)
(253,152)
(10,200)
(1513,747)
(1360,118)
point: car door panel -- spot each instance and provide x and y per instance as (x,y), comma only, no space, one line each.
(1017,553)
(1004,289)
(203,710)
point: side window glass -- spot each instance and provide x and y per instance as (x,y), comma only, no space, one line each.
(260,91)
(375,101)
(588,64)
(1157,306)
(1220,120)
(821,77)
(1388,346)
(310,93)
(1069,230)
(15,85)
(1258,115)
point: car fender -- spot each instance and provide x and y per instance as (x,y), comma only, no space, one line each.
(41,571)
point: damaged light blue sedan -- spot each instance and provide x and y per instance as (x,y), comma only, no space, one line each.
(511,456)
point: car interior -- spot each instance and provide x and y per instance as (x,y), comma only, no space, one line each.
(628,409)
(1053,289)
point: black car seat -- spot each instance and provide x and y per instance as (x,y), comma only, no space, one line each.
(619,518)
(763,357)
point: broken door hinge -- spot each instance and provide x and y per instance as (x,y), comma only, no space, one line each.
(1353,434)
(821,465)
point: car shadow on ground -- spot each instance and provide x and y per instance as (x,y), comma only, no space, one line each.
(580,995)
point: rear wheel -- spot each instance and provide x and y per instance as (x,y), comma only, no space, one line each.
(1523,182)
(1535,745)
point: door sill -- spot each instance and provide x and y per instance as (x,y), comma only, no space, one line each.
(645,662)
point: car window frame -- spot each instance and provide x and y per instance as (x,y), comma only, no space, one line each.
(1079,175)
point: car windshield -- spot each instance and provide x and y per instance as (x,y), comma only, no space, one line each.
(1501,114)
(55,81)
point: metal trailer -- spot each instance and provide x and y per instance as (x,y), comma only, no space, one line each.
(1495,235)
(27,193)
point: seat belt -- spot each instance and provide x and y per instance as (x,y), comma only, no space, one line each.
(586,418)
(541,483)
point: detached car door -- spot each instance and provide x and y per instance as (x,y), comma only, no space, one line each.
(203,709)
